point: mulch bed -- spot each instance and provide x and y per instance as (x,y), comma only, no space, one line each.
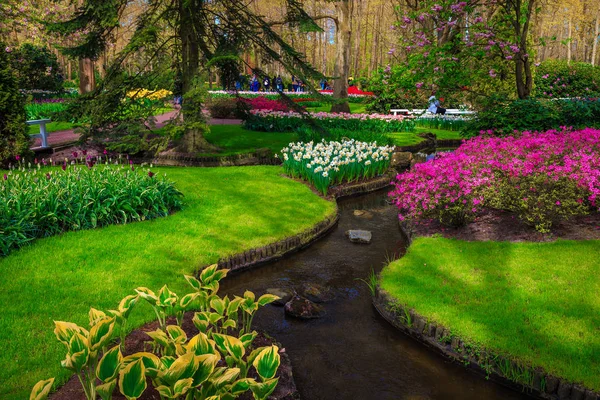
(499,225)
(138,341)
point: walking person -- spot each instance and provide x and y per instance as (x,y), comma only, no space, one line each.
(434,105)
(294,84)
(279,83)
(267,84)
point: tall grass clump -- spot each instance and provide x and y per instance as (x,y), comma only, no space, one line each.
(44,110)
(41,202)
(331,163)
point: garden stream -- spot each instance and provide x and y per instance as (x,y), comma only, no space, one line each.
(352,352)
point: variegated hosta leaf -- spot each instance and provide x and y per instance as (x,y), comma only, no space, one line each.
(150,360)
(177,334)
(220,274)
(64,331)
(206,366)
(200,344)
(166,298)
(109,365)
(182,386)
(160,337)
(218,305)
(184,367)
(165,392)
(248,338)
(147,295)
(78,354)
(248,295)
(262,390)
(126,305)
(101,333)
(224,376)
(207,273)
(241,385)
(267,362)
(230,344)
(229,324)
(106,390)
(267,299)
(200,320)
(212,287)
(96,316)
(41,389)
(234,305)
(195,283)
(132,380)
(187,300)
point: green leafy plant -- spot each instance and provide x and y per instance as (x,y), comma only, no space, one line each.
(210,365)
(41,202)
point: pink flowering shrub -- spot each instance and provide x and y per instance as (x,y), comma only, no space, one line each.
(542,177)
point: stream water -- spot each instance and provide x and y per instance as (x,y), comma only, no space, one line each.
(353,353)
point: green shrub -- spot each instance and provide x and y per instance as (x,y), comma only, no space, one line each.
(14,139)
(559,79)
(42,202)
(534,199)
(307,134)
(222,108)
(535,115)
(37,68)
(212,364)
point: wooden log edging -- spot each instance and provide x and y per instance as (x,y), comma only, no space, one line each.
(355,189)
(533,381)
(279,249)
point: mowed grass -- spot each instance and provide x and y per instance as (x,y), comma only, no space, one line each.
(412,138)
(355,108)
(52,127)
(233,139)
(537,302)
(227,210)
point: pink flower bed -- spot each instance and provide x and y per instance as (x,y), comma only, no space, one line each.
(262,103)
(543,177)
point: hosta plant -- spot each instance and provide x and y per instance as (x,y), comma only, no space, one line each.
(217,363)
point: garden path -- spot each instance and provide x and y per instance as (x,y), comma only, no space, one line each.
(69,136)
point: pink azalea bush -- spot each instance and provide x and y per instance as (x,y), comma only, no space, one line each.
(262,103)
(542,177)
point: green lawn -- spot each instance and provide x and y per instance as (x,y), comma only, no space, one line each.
(227,210)
(52,127)
(355,108)
(411,138)
(538,302)
(233,139)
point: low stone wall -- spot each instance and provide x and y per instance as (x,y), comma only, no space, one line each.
(533,381)
(258,158)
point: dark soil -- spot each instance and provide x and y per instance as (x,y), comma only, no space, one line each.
(138,341)
(499,225)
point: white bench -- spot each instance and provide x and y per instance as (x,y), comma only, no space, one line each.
(43,132)
(401,111)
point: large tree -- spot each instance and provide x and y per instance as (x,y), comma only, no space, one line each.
(197,33)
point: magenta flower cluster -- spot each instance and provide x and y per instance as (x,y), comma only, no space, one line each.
(535,167)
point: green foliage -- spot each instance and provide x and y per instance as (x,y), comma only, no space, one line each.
(36,68)
(307,134)
(533,199)
(14,139)
(222,108)
(42,202)
(43,110)
(211,363)
(503,117)
(558,79)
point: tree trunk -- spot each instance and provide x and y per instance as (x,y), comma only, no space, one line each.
(343,10)
(596,33)
(193,140)
(87,80)
(569,40)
